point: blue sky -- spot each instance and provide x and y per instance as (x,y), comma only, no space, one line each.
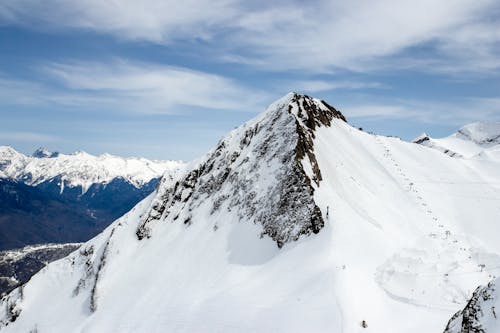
(167,79)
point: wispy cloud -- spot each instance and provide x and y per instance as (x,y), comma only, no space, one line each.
(150,88)
(152,20)
(126,86)
(457,112)
(313,86)
(460,35)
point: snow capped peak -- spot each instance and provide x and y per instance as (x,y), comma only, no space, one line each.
(481,133)
(309,111)
(313,111)
(79,169)
(264,171)
(44,153)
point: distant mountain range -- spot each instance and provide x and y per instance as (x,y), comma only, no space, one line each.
(59,198)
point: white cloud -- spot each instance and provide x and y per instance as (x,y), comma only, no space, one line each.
(356,34)
(153,20)
(318,35)
(458,112)
(154,88)
(131,87)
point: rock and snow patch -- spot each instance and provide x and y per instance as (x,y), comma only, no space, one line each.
(481,314)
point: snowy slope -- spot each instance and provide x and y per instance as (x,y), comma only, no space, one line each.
(295,222)
(79,169)
(472,140)
(480,313)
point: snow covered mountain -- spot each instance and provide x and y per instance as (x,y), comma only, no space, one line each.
(58,198)
(476,139)
(295,222)
(78,169)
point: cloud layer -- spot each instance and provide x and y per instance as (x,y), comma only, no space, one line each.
(459,35)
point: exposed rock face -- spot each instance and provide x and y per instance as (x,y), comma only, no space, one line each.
(480,313)
(236,174)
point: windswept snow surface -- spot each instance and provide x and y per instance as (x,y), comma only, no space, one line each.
(79,168)
(409,234)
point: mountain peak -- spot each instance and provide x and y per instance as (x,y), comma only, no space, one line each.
(312,111)
(264,171)
(44,153)
(8,150)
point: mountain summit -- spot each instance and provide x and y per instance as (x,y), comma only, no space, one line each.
(44,153)
(294,222)
(265,172)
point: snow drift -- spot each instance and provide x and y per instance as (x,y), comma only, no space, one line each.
(295,222)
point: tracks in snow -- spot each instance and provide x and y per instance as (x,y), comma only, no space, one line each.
(436,263)
(411,187)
